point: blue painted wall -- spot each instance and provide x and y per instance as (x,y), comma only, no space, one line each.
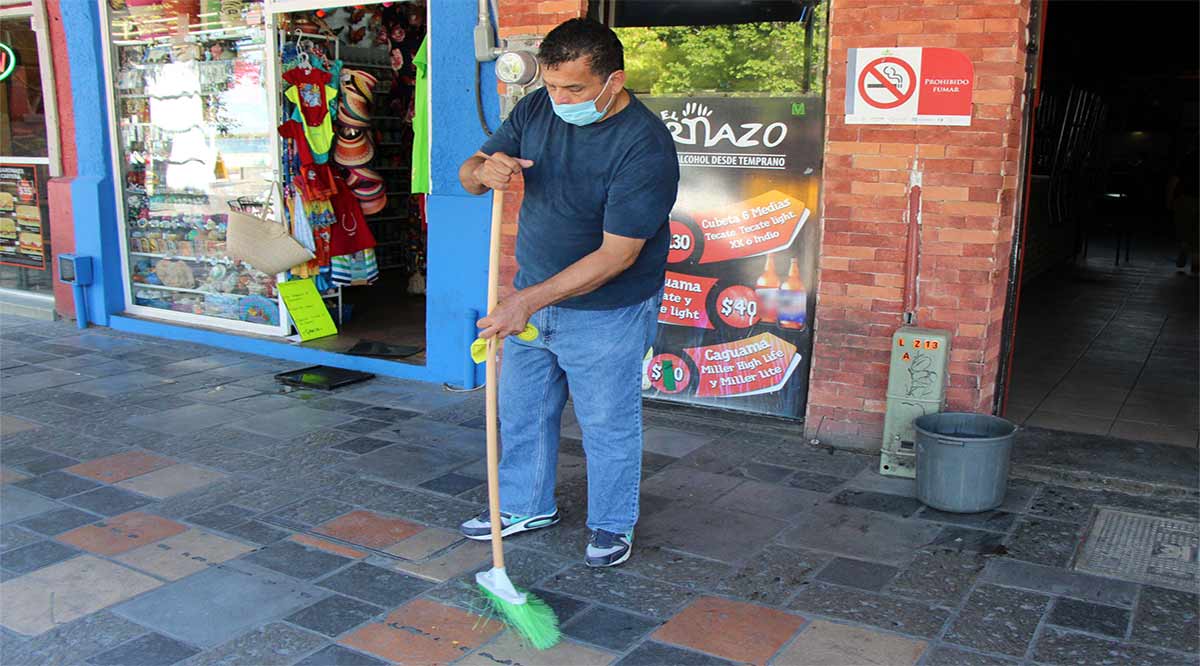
(458,222)
(96,232)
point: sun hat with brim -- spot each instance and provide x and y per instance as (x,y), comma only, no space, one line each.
(353,152)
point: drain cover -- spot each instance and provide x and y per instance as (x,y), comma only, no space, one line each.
(1145,549)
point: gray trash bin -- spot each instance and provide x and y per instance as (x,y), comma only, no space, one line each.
(962,460)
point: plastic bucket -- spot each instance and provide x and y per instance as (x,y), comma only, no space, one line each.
(962,460)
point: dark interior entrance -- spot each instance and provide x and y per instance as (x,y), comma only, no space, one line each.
(1106,337)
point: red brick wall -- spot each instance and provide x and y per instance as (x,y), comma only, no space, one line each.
(525,19)
(968,179)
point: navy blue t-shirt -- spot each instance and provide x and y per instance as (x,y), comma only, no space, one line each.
(618,176)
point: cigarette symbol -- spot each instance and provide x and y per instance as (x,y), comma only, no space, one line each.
(890,73)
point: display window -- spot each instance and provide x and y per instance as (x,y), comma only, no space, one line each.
(193,141)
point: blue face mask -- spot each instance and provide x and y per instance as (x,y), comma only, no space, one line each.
(584,113)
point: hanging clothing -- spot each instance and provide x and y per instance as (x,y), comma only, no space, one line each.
(350,233)
(420,123)
(294,131)
(354,270)
(312,96)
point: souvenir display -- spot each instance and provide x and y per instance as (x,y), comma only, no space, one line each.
(193,133)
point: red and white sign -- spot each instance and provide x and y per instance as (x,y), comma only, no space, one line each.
(685,300)
(909,86)
(751,366)
(766,223)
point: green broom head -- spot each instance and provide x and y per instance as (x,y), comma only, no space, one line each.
(526,614)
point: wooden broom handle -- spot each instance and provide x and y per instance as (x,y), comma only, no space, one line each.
(493,448)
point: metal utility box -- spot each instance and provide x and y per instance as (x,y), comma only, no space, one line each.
(917,377)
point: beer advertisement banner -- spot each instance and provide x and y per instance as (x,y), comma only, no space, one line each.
(735,326)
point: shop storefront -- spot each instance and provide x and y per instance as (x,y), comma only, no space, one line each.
(29,157)
(801,241)
(315,116)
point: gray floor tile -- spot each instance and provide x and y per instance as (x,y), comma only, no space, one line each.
(773,575)
(770,500)
(57,522)
(57,485)
(565,608)
(39,381)
(881,502)
(821,483)
(871,479)
(389,414)
(258,532)
(942,577)
(694,573)
(361,445)
(296,560)
(452,483)
(108,501)
(71,643)
(840,529)
(35,556)
(713,533)
(945,655)
(185,420)
(222,517)
(609,628)
(17,504)
(657,654)
(998,619)
(1047,542)
(334,616)
(903,616)
(1059,582)
(12,537)
(364,426)
(689,485)
(109,387)
(312,511)
(994,521)
(210,607)
(276,644)
(652,598)
(149,650)
(863,575)
(376,585)
(47,463)
(674,443)
(1056,646)
(1167,618)
(337,655)
(1089,617)
(403,464)
(965,540)
(291,422)
(467,442)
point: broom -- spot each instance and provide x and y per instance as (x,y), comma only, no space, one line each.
(528,615)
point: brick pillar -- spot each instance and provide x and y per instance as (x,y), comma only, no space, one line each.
(525,20)
(968,177)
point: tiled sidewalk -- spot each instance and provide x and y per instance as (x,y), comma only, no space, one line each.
(170,504)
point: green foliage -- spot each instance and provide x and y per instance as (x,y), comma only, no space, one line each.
(726,59)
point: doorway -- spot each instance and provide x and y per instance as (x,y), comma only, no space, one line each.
(373,56)
(1106,337)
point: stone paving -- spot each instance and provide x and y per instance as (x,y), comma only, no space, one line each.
(166,503)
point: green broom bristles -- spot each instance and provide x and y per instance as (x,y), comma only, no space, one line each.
(534,620)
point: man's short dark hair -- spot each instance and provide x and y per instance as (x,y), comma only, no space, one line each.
(581,37)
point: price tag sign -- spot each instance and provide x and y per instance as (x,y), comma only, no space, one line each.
(738,306)
(307,309)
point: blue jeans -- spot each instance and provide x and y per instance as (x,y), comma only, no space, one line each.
(597,356)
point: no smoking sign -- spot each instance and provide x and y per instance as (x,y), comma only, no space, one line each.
(887,82)
(909,86)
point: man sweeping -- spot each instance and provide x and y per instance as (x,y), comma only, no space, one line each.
(600,177)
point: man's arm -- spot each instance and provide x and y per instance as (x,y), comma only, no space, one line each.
(615,254)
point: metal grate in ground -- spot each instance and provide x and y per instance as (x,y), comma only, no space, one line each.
(1146,549)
